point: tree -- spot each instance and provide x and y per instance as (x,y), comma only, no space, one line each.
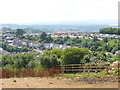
(110,30)
(114,58)
(95,39)
(22,60)
(43,36)
(53,60)
(20,32)
(73,55)
(6,59)
(106,47)
(86,58)
(57,52)
(66,38)
(115,48)
(94,60)
(48,61)
(48,39)
(105,39)
(42,47)
(59,40)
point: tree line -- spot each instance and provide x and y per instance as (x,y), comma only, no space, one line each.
(9,48)
(55,57)
(110,30)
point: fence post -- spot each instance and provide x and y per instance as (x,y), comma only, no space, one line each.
(83,68)
(72,68)
(88,68)
(96,67)
(62,69)
(107,69)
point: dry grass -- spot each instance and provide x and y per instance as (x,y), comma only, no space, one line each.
(30,72)
(45,82)
(47,78)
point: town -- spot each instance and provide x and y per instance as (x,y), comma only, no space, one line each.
(11,39)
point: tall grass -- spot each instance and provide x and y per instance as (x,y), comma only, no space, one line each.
(30,72)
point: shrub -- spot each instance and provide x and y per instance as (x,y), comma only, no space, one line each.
(73,55)
(48,61)
(14,81)
(45,61)
(116,72)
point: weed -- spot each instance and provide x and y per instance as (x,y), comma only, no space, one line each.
(70,75)
(102,73)
(85,76)
(115,72)
(14,81)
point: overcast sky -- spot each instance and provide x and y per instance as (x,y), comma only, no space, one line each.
(26,11)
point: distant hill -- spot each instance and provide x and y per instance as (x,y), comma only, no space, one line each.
(62,26)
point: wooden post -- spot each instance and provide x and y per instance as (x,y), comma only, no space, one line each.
(95,67)
(107,69)
(62,68)
(72,68)
(88,68)
(79,68)
(83,68)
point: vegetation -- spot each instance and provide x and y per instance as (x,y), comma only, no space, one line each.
(55,57)
(82,51)
(12,48)
(31,72)
(110,30)
(74,55)
(47,60)
(106,45)
(20,32)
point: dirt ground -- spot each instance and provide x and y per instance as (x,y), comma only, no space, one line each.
(45,82)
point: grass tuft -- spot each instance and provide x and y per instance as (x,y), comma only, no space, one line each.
(14,81)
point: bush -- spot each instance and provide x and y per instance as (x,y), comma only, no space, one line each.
(14,81)
(53,60)
(45,61)
(73,55)
(116,72)
(48,61)
(88,75)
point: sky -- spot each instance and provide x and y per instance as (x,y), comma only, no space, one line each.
(30,11)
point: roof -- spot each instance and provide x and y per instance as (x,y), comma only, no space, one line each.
(117,52)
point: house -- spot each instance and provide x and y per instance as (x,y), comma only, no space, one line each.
(2,52)
(9,38)
(34,44)
(64,47)
(25,44)
(8,41)
(17,43)
(117,52)
(48,45)
(38,51)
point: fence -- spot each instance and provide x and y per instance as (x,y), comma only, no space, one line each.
(84,67)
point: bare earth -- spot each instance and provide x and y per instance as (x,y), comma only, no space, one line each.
(39,82)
